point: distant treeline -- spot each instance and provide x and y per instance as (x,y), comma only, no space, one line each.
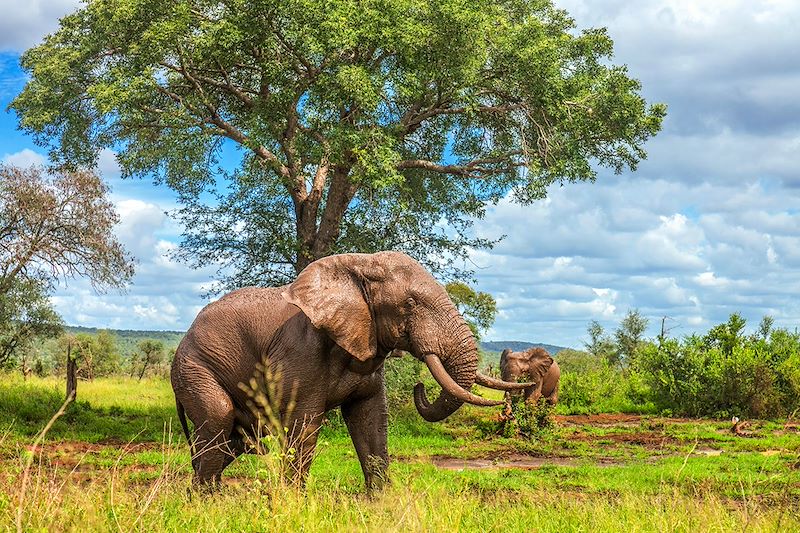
(127,339)
(519,346)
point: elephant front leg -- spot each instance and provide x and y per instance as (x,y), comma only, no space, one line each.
(367,420)
(301,441)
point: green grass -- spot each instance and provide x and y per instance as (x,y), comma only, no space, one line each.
(116,461)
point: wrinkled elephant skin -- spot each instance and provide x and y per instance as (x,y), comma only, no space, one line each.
(533,365)
(324,339)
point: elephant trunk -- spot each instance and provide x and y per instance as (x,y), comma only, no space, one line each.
(455,370)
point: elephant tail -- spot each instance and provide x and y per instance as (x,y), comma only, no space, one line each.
(184,425)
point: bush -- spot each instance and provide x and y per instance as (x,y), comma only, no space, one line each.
(528,420)
(725,373)
(602,388)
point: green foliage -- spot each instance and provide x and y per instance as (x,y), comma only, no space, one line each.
(401,374)
(25,315)
(725,372)
(149,354)
(601,345)
(629,336)
(359,127)
(477,308)
(527,420)
(594,386)
(95,355)
(578,362)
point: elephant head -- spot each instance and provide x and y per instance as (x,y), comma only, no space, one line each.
(531,364)
(370,304)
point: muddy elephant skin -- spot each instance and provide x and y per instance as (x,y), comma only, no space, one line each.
(533,365)
(326,336)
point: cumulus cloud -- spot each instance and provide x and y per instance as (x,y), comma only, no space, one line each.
(570,260)
(708,225)
(24,24)
(24,158)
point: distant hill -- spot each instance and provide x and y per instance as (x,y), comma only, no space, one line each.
(128,338)
(519,346)
(492,350)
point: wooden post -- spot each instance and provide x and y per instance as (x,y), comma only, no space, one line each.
(72,377)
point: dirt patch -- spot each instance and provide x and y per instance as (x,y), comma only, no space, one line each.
(599,420)
(515,461)
(649,439)
(73,453)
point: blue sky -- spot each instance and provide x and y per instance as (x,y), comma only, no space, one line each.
(708,225)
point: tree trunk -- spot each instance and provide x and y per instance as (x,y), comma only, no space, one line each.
(72,375)
(317,233)
(144,367)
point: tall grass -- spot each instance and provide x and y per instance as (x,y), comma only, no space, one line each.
(419,504)
(127,486)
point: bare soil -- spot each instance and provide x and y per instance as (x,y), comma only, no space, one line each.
(517,461)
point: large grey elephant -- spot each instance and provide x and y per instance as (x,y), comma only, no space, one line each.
(326,335)
(534,365)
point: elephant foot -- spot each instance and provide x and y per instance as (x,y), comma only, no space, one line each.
(376,475)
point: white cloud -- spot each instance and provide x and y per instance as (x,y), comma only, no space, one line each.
(25,24)
(24,158)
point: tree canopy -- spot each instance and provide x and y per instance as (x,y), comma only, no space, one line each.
(53,226)
(312,127)
(478,308)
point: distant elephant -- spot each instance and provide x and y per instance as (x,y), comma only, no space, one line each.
(533,365)
(326,335)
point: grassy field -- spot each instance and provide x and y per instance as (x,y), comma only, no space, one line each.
(116,460)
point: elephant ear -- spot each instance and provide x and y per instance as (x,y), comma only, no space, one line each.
(333,293)
(539,362)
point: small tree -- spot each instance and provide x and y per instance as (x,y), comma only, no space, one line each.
(629,336)
(25,314)
(149,353)
(59,225)
(477,308)
(765,326)
(600,345)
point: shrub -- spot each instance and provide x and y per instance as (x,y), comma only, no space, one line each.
(603,388)
(725,373)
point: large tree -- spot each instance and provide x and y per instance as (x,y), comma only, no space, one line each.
(293,129)
(57,225)
(53,226)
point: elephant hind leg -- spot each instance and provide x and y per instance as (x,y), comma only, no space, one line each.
(214,444)
(553,397)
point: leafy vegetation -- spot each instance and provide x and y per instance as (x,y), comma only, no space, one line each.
(359,128)
(114,462)
(54,225)
(725,372)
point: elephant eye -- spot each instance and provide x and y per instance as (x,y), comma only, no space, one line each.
(411,302)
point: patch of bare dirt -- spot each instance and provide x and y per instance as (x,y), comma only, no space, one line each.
(599,420)
(71,454)
(516,461)
(649,439)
